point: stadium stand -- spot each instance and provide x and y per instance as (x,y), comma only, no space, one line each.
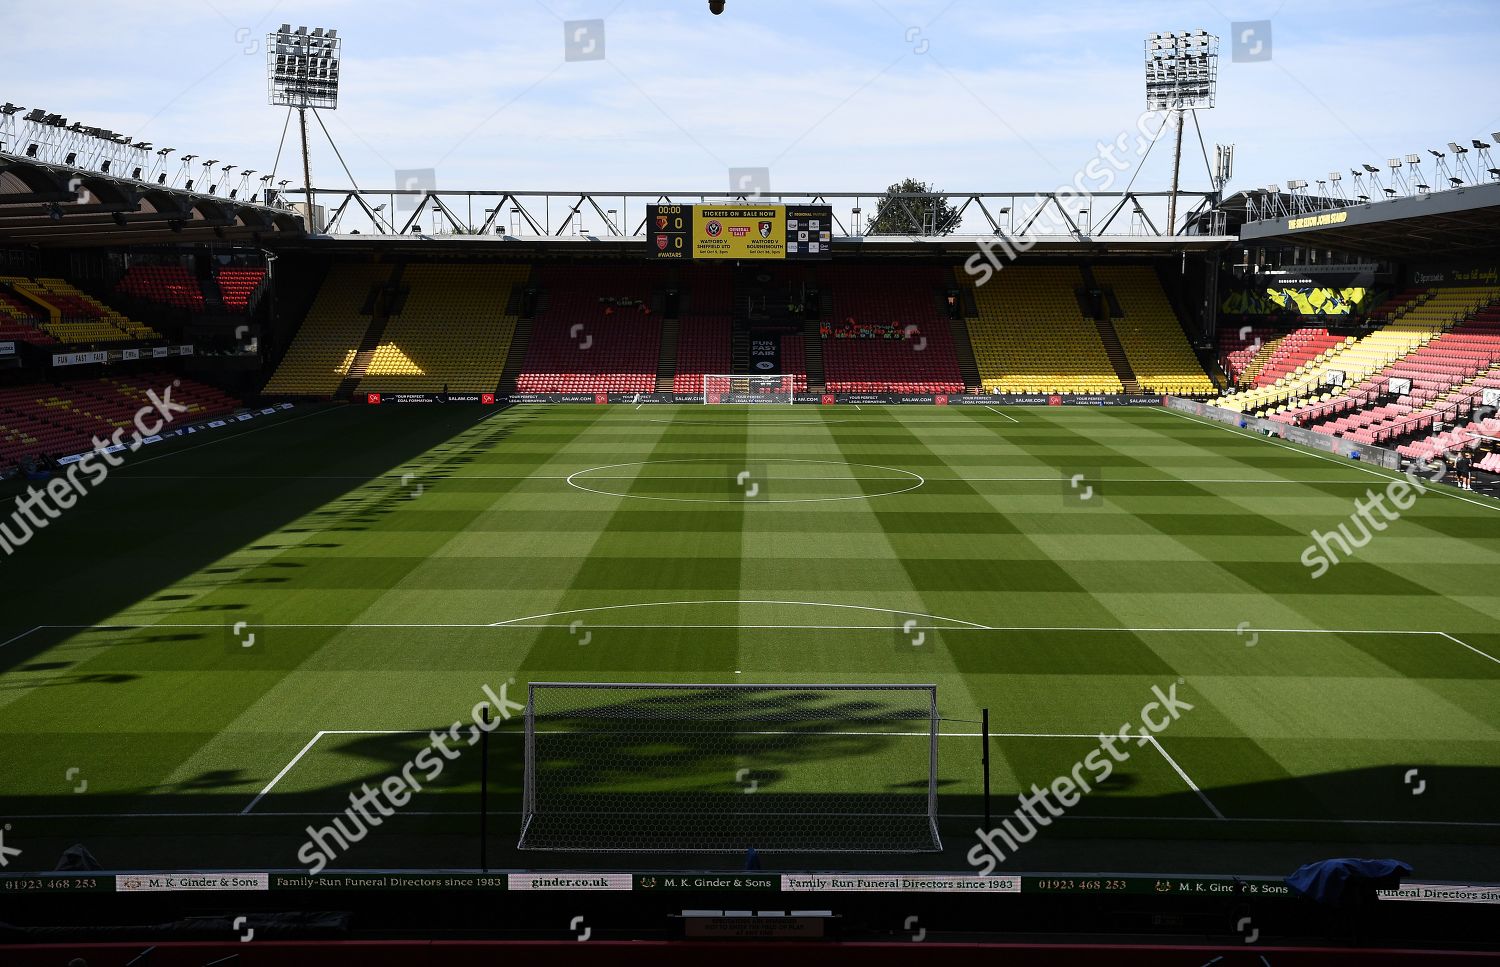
(168,284)
(794,360)
(704,329)
(50,420)
(1151,335)
(452,332)
(236,284)
(74,317)
(596,334)
(1031,337)
(703,346)
(1357,359)
(20,322)
(320,354)
(1294,349)
(887,334)
(1242,355)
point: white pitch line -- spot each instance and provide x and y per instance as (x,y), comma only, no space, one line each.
(962,626)
(285,769)
(1470,647)
(25,633)
(666,604)
(997,412)
(540,476)
(1185,777)
(1349,464)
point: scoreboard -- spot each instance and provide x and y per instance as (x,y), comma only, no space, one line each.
(745,231)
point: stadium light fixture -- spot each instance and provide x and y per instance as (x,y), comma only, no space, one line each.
(1182,73)
(302,71)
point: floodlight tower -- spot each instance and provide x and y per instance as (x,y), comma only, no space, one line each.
(302,70)
(1182,73)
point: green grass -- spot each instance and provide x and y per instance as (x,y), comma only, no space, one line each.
(379,613)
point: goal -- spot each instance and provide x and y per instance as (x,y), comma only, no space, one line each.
(724,768)
(777,388)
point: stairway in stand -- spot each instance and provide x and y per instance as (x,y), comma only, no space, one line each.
(812,345)
(381,302)
(1116,354)
(666,363)
(968,366)
(516,358)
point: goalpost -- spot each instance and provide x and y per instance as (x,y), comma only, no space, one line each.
(637,767)
(775,388)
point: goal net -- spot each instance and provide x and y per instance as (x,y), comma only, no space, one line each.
(779,388)
(723,768)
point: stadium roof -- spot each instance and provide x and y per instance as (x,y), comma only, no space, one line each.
(50,205)
(1442,223)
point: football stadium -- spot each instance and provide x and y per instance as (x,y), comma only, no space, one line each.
(1095,570)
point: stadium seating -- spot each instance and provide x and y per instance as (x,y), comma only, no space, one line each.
(236,285)
(57,420)
(452,331)
(75,317)
(19,322)
(590,338)
(1153,339)
(794,361)
(1359,358)
(320,354)
(887,334)
(1238,353)
(1031,337)
(703,346)
(704,342)
(168,284)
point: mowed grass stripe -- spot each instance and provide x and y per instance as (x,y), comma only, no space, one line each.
(634,559)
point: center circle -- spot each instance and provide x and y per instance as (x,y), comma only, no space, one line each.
(743,481)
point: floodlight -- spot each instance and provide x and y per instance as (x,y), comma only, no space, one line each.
(1181,70)
(1296,184)
(1478,144)
(303,69)
(1455,182)
(1393,163)
(1372,169)
(1413,159)
(1457,148)
(1335,176)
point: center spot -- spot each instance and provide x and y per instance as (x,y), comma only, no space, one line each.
(780,480)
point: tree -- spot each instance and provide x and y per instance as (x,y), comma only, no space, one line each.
(913,216)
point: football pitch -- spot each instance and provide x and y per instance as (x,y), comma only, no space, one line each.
(229,636)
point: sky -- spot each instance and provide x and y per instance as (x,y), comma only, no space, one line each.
(828,95)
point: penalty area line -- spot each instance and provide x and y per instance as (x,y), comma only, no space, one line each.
(284,770)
